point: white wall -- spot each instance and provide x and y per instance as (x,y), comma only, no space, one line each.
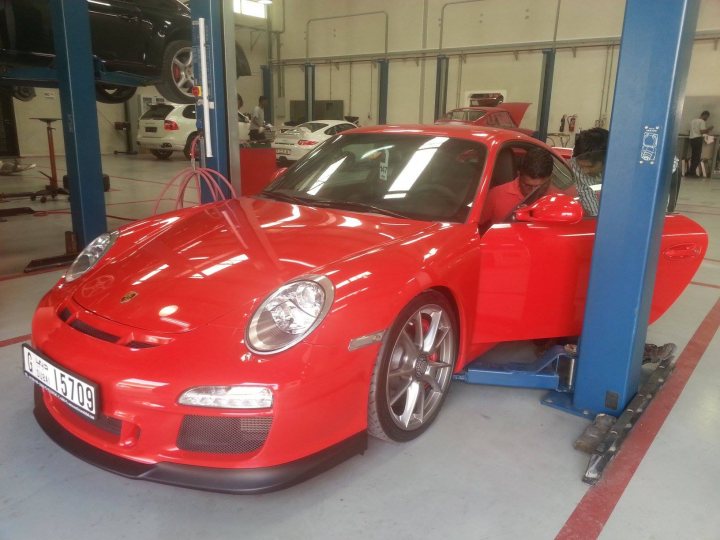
(584,79)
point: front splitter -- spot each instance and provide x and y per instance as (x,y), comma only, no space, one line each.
(223,480)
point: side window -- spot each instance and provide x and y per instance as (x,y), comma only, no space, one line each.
(189,112)
(331,130)
(491,120)
(343,127)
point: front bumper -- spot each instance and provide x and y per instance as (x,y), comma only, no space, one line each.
(318,417)
(258,480)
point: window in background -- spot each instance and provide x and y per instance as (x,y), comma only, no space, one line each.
(251,8)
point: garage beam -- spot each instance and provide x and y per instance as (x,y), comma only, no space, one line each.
(652,71)
(267,84)
(441,82)
(309,92)
(546,82)
(76,80)
(383,88)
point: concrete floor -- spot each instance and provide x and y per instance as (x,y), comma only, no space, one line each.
(496,464)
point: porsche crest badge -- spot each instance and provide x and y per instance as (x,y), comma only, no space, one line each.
(128,296)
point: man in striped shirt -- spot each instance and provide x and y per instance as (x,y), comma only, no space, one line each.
(587,164)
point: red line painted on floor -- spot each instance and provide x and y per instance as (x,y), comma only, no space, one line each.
(705,284)
(13,341)
(595,508)
(30,274)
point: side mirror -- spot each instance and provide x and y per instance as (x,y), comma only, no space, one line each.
(556,208)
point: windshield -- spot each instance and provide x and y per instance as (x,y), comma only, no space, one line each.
(420,177)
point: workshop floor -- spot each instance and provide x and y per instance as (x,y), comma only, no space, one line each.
(497,464)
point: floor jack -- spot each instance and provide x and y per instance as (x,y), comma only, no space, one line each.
(555,371)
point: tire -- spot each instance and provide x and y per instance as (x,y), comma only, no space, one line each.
(162,154)
(188,144)
(106,93)
(23,93)
(176,78)
(410,382)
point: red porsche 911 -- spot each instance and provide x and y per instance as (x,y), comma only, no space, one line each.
(244,345)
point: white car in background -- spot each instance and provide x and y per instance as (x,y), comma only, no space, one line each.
(294,143)
(166,128)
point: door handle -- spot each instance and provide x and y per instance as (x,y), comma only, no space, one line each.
(682,251)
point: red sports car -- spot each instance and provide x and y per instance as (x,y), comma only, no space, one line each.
(244,345)
(505,115)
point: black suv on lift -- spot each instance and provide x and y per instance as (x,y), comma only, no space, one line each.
(148,38)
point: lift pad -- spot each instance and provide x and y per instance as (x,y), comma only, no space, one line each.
(553,370)
(613,440)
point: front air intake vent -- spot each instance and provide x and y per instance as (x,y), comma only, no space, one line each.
(140,345)
(94,332)
(218,435)
(65,314)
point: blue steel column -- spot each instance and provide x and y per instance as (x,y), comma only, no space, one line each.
(441,80)
(267,84)
(309,92)
(383,86)
(76,79)
(652,71)
(212,12)
(546,83)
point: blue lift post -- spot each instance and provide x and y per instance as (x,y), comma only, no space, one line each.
(212,18)
(309,92)
(383,86)
(652,71)
(441,80)
(267,84)
(76,80)
(546,82)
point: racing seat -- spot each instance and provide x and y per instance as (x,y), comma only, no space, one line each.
(505,170)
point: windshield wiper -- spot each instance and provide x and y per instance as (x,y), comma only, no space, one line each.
(363,207)
(287,198)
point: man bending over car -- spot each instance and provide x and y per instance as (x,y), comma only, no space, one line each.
(533,181)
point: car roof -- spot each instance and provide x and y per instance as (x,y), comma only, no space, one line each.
(487,135)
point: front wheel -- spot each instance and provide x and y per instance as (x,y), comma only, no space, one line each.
(413,371)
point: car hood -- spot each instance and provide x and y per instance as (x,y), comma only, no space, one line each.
(193,268)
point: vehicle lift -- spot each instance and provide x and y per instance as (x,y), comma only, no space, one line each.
(603,378)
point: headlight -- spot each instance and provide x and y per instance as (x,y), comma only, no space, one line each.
(228,397)
(289,314)
(89,256)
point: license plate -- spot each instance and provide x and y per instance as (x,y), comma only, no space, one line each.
(283,151)
(150,130)
(77,392)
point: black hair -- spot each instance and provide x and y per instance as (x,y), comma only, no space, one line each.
(591,142)
(537,163)
(261,98)
(705,113)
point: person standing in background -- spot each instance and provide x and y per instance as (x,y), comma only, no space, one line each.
(257,121)
(698,129)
